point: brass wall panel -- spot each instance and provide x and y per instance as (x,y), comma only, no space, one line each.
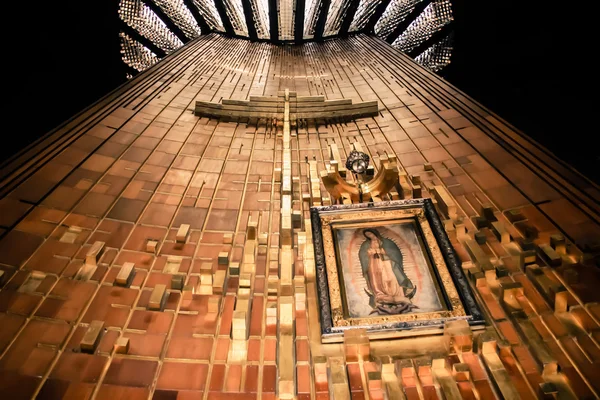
(137,165)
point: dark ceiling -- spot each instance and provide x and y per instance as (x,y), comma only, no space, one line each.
(512,56)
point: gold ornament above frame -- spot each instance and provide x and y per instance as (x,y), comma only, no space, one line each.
(388,267)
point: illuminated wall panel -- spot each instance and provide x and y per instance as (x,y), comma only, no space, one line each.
(181,16)
(210,14)
(136,55)
(437,56)
(141,18)
(431,20)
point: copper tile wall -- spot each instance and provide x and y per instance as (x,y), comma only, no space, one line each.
(138,164)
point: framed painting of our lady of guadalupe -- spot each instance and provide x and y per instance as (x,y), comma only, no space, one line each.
(387,267)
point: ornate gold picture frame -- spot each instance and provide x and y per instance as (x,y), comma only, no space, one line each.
(387,267)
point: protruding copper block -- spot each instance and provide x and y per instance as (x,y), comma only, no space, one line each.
(458,336)
(461,372)
(182,233)
(551,256)
(151,246)
(356,345)
(374,380)
(206,268)
(509,294)
(213,304)
(515,215)
(92,337)
(157,298)
(444,379)
(234,268)
(445,201)
(34,279)
(238,351)
(125,274)
(218,281)
(245,280)
(177,282)
(239,329)
(243,294)
(296,219)
(563,301)
(558,243)
(70,236)
(272,285)
(263,239)
(228,238)
(122,345)
(94,253)
(85,272)
(417,191)
(547,287)
(500,232)
(223,258)
(172,265)
(480,258)
(487,211)
(252,230)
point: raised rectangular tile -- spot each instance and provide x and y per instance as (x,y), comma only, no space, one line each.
(234,268)
(445,201)
(94,253)
(500,232)
(445,379)
(550,255)
(182,233)
(157,298)
(85,272)
(92,336)
(223,258)
(122,345)
(213,304)
(177,282)
(558,243)
(32,282)
(239,325)
(151,246)
(125,274)
(245,280)
(218,281)
(172,265)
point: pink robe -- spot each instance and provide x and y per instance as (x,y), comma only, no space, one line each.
(383,280)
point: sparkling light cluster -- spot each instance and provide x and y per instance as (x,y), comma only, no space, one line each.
(235,12)
(209,12)
(285,10)
(311,16)
(337,9)
(392,25)
(437,56)
(365,10)
(260,10)
(394,14)
(141,18)
(135,54)
(431,20)
(181,16)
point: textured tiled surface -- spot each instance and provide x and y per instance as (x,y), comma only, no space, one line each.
(139,164)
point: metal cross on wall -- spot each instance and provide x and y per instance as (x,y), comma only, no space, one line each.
(293,110)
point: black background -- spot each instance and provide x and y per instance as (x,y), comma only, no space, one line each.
(525,60)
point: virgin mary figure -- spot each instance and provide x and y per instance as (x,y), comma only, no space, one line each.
(389,289)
